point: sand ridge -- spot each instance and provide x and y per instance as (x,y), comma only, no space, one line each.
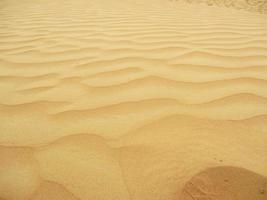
(140,100)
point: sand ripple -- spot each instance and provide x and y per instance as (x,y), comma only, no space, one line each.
(140,100)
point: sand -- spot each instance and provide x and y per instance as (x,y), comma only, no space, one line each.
(133,99)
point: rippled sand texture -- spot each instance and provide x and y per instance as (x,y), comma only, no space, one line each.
(138,100)
(259,6)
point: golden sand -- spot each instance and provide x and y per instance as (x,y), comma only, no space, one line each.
(133,99)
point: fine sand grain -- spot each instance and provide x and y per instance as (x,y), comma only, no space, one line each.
(133,100)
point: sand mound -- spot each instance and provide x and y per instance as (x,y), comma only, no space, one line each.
(222,183)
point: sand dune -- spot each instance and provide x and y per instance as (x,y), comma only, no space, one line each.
(140,100)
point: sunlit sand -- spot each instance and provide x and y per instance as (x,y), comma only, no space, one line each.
(138,100)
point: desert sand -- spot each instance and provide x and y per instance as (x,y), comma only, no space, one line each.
(133,100)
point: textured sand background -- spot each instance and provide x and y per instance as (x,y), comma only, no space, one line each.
(133,99)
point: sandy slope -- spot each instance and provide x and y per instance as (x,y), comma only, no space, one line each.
(140,100)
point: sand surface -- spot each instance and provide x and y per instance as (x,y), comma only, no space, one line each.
(133,100)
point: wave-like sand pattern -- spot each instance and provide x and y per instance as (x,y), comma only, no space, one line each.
(250,5)
(138,100)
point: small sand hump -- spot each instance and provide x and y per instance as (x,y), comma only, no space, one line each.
(225,183)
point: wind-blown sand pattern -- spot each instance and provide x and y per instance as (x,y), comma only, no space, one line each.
(138,100)
(249,5)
